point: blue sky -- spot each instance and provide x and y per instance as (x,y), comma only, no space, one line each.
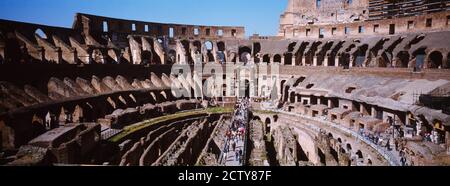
(258,16)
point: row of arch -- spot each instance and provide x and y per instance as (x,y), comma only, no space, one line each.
(356,155)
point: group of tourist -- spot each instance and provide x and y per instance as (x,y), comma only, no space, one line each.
(393,139)
(236,133)
(433,137)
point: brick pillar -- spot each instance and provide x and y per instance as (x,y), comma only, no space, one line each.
(447,136)
(407,120)
(374,112)
(351,61)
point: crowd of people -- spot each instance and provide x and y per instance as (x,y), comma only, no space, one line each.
(236,133)
(392,139)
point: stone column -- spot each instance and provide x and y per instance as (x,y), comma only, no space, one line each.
(293,61)
(374,112)
(351,61)
(303,60)
(330,103)
(282,60)
(325,61)
(407,120)
(447,137)
(445,61)
(426,62)
(315,60)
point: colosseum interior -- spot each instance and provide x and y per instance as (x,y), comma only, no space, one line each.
(344,83)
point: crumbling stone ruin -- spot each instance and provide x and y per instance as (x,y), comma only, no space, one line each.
(360,83)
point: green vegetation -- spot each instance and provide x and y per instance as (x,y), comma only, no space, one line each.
(265,112)
(219,110)
(147,123)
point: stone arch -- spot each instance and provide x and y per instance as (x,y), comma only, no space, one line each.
(247,88)
(208,45)
(267,123)
(256,118)
(349,147)
(245,57)
(224,90)
(77,114)
(385,60)
(277,58)
(321,155)
(275,118)
(198,46)
(266,58)
(330,135)
(256,48)
(172,57)
(300,54)
(147,57)
(344,60)
(244,54)
(187,48)
(65,116)
(334,154)
(435,60)
(209,49)
(221,51)
(360,56)
(288,59)
(221,46)
(419,55)
(37,127)
(98,56)
(402,59)
(359,154)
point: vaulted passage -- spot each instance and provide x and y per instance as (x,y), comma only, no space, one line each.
(435,60)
